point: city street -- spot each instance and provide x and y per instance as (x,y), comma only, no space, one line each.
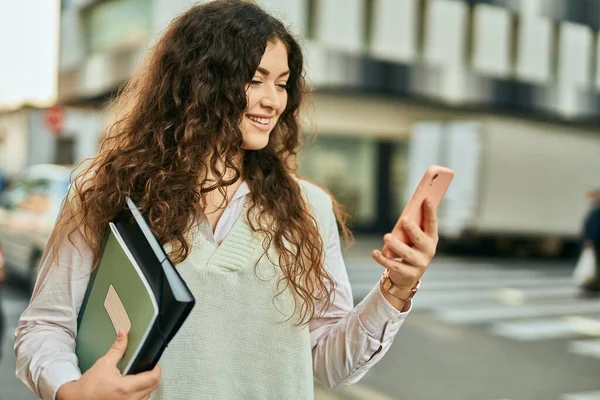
(485,329)
(489,109)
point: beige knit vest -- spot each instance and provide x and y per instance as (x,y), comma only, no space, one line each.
(239,341)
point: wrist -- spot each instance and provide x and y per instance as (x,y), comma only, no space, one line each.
(398,304)
(388,286)
(68,391)
(400,282)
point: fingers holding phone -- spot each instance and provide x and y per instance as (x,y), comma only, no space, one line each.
(430,220)
(408,262)
(410,247)
(426,239)
(433,186)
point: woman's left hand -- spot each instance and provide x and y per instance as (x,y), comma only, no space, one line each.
(412,261)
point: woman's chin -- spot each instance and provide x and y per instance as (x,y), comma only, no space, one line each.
(255,144)
(256,141)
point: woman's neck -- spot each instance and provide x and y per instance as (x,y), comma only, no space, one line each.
(216,201)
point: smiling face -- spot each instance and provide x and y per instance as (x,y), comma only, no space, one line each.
(267,96)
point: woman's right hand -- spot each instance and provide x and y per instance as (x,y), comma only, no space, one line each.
(105,381)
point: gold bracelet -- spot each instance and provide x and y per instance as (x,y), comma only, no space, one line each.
(401,294)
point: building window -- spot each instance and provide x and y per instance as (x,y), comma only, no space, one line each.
(398,174)
(346,167)
(65,150)
(368,16)
(311,19)
(117,24)
(584,12)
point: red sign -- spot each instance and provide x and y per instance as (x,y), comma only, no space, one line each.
(54,117)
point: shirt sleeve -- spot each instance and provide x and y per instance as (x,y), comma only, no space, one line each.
(45,335)
(347,341)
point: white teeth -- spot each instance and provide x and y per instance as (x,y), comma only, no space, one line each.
(262,121)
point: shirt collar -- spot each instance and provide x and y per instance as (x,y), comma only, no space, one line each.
(241,191)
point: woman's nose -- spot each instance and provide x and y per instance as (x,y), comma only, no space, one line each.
(270,98)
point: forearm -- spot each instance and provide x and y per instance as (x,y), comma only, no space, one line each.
(353,344)
(45,359)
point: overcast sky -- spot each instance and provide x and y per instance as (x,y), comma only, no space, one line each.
(28,52)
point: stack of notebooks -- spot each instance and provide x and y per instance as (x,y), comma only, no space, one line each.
(135,288)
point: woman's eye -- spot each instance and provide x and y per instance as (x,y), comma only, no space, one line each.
(283,86)
(254,82)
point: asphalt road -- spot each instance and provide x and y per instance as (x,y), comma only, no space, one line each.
(14,301)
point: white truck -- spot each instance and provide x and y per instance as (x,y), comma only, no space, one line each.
(520,186)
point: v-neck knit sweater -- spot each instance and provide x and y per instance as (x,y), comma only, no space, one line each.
(240,341)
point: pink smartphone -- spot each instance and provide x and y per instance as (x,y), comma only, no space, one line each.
(433,185)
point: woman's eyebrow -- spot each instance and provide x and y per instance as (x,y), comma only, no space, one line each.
(266,72)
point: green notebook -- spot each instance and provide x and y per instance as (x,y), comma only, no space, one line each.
(120,297)
(137,288)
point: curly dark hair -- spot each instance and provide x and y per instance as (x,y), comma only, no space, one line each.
(178,121)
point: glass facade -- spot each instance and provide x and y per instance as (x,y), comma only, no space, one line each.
(366,175)
(117,24)
(398,172)
(346,166)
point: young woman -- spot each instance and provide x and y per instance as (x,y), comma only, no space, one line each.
(205,143)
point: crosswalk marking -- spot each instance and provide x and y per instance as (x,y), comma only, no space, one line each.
(464,282)
(475,314)
(488,273)
(548,283)
(582,396)
(432,298)
(552,328)
(509,281)
(444,274)
(362,272)
(589,348)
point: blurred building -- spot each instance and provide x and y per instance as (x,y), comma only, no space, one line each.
(377,66)
(27,137)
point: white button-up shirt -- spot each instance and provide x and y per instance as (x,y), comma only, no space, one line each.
(346,340)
